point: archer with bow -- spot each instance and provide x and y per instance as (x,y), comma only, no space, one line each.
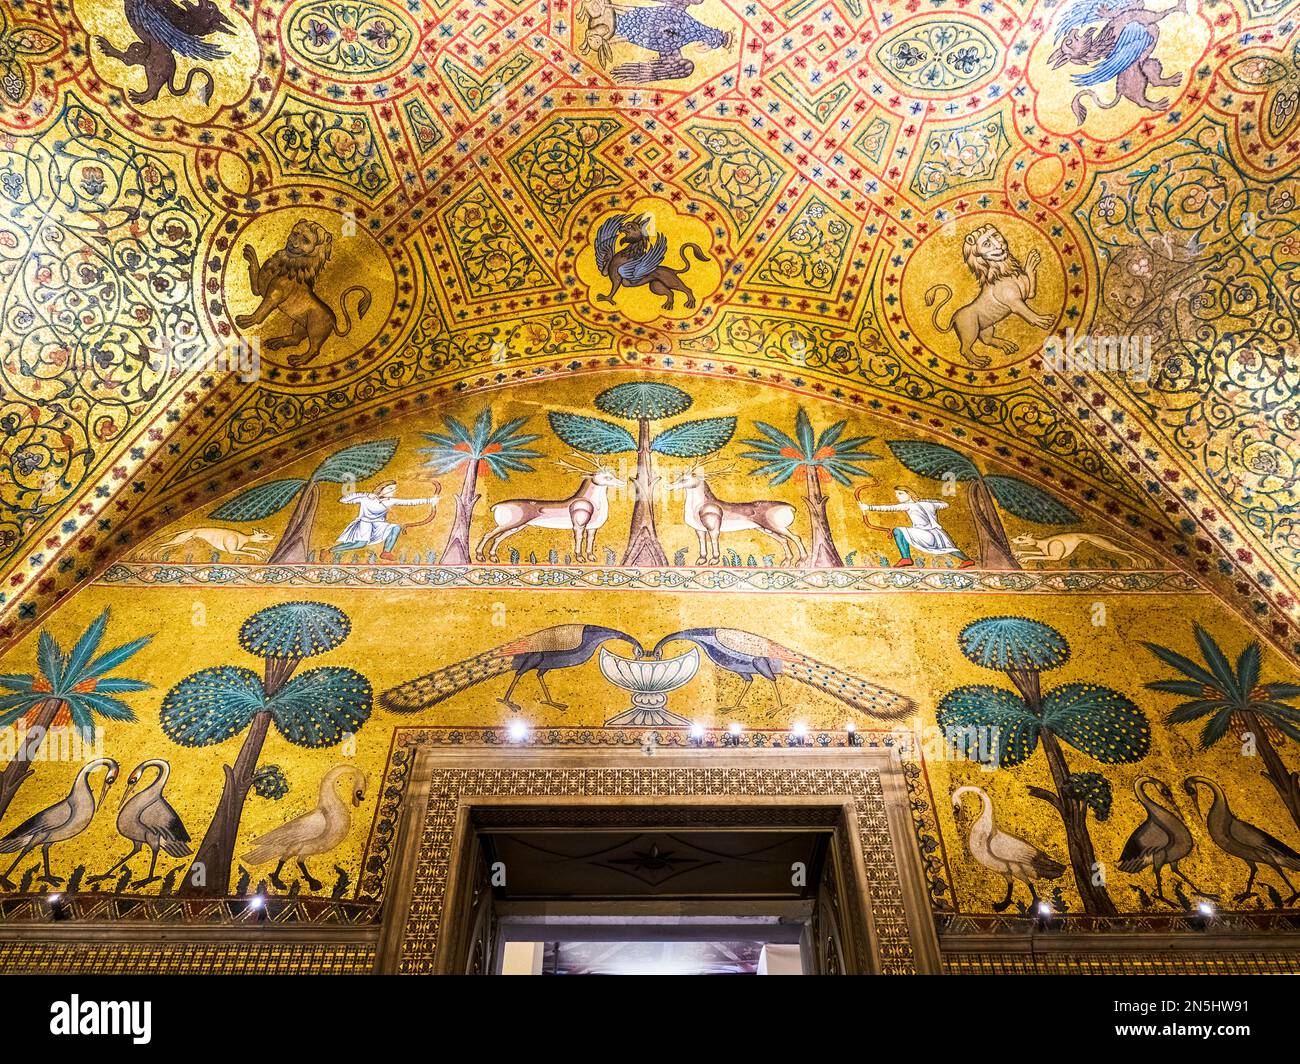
(925,533)
(372,524)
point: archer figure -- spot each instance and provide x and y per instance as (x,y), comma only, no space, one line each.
(372,524)
(924,533)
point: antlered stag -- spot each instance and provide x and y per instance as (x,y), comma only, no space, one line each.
(711,516)
(585,511)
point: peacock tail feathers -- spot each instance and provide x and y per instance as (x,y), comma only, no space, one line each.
(863,696)
(437,686)
(852,690)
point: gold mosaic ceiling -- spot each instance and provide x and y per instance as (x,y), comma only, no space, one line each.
(403,202)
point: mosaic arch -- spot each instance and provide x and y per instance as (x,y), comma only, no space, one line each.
(598,350)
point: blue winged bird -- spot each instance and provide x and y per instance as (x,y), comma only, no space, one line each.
(167,29)
(560,647)
(748,654)
(664,29)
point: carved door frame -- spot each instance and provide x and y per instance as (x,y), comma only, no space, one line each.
(871,914)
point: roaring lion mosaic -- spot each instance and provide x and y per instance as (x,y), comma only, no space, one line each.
(1005,289)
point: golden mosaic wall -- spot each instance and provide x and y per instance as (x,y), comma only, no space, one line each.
(280,601)
(266,267)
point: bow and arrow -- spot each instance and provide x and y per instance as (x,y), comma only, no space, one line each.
(866,520)
(433,508)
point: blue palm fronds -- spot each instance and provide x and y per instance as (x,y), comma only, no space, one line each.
(76,680)
(1217,690)
(502,450)
(831,454)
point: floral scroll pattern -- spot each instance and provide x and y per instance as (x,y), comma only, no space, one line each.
(350,38)
(312,142)
(424,130)
(819,106)
(20,46)
(560,167)
(1281,79)
(802,345)
(477,92)
(955,157)
(493,257)
(1206,262)
(810,251)
(864,354)
(871,141)
(98,244)
(740,176)
(944,56)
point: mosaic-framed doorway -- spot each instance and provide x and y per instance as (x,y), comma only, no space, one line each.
(435,917)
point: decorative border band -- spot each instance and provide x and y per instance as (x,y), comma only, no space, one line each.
(186,958)
(598,578)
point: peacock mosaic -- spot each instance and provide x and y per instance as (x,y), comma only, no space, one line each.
(651,372)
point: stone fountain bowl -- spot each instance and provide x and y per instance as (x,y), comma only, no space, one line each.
(649,680)
(649,676)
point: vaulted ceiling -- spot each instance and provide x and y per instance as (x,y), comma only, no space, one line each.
(414,193)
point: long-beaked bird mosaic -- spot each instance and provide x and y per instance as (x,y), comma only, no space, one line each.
(560,647)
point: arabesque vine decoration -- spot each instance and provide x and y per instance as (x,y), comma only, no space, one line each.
(1202,262)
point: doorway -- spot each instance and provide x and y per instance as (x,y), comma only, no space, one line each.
(702,862)
(622,954)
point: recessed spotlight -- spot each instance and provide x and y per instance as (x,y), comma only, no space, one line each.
(697,734)
(517,731)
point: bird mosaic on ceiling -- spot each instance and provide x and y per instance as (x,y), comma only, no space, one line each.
(232,231)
